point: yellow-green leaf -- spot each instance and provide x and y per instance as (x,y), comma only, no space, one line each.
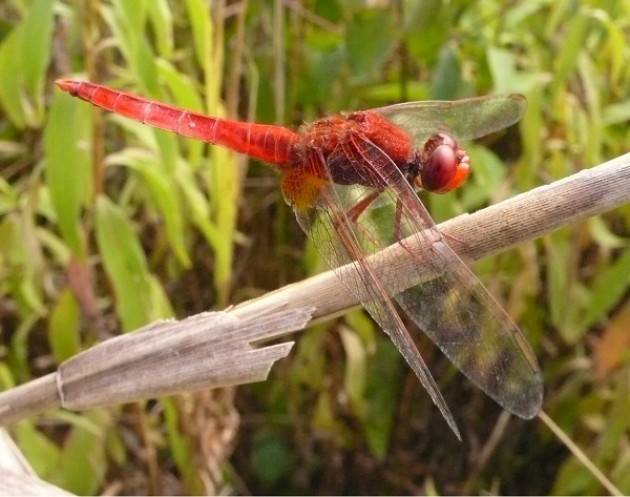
(63,327)
(125,264)
(68,168)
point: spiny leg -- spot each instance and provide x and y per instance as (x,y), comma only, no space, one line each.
(359,208)
(398,235)
(354,212)
(411,178)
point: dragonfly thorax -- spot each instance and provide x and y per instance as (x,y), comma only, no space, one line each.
(335,148)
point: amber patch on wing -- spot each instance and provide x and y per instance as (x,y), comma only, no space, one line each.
(300,189)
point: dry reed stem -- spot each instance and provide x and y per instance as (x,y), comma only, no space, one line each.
(481,234)
(97,376)
(207,350)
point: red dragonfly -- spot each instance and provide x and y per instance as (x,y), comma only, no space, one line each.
(352,182)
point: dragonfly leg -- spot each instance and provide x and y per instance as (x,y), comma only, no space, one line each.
(397,227)
(354,212)
(398,214)
(452,238)
(357,209)
(436,235)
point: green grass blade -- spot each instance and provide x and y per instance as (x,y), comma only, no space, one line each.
(164,195)
(125,265)
(40,451)
(11,96)
(68,170)
(63,327)
(609,286)
(200,23)
(161,18)
(83,463)
(37,30)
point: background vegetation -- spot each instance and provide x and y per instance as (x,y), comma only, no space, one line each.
(106,225)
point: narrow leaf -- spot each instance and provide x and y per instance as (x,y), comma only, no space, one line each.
(608,288)
(63,327)
(82,464)
(36,47)
(41,452)
(384,381)
(68,171)
(181,449)
(163,193)
(161,18)
(11,96)
(201,28)
(125,264)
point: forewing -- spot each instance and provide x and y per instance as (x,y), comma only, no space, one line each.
(346,250)
(464,119)
(449,303)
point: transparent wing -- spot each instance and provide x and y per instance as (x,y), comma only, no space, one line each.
(439,292)
(346,251)
(464,119)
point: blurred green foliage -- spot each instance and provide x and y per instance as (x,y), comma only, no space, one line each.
(106,225)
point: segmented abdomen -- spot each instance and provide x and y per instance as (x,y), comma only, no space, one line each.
(265,142)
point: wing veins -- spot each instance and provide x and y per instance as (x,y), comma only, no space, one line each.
(382,303)
(453,274)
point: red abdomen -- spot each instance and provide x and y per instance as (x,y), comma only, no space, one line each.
(265,142)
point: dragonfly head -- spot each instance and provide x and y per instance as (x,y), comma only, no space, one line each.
(443,166)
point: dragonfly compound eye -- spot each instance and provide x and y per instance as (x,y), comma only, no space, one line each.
(444,166)
(439,168)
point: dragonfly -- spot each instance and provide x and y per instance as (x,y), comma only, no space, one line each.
(353,181)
